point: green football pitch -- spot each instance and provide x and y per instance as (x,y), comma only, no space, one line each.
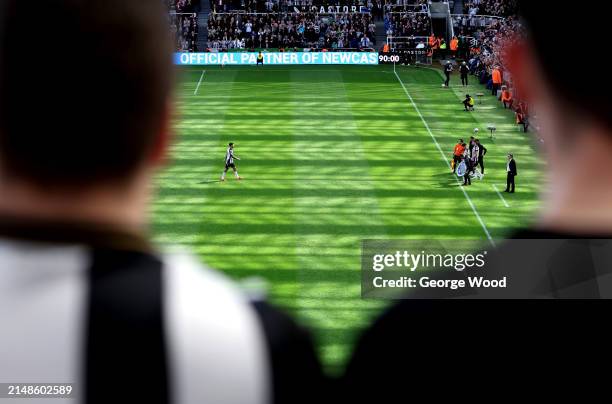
(331,156)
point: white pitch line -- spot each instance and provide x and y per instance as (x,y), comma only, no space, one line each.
(199,82)
(467,196)
(501,196)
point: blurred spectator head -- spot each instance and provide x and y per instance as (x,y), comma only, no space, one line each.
(84,89)
(558,62)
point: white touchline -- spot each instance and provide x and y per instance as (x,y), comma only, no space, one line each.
(199,82)
(467,196)
(501,196)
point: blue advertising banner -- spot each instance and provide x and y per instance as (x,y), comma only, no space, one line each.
(276,58)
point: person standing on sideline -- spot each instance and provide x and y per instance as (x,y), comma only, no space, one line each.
(443,48)
(469,167)
(448,69)
(497,80)
(482,151)
(260,59)
(474,153)
(464,70)
(470,147)
(454,46)
(431,41)
(511,169)
(458,154)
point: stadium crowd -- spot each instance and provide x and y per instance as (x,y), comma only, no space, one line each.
(467,25)
(409,23)
(185,6)
(300,23)
(249,6)
(487,61)
(270,6)
(277,24)
(375,6)
(289,30)
(502,8)
(183,19)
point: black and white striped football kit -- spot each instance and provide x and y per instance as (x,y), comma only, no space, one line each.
(98,308)
(229,159)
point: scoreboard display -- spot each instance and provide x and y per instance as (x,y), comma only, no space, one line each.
(402,56)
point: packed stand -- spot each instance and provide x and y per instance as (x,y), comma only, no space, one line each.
(249,6)
(487,60)
(467,25)
(406,24)
(421,6)
(183,19)
(501,8)
(376,7)
(291,30)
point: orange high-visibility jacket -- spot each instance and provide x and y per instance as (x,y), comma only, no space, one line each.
(386,48)
(521,113)
(506,96)
(459,149)
(454,44)
(497,76)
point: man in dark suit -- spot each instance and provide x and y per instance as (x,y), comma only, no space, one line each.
(469,168)
(511,169)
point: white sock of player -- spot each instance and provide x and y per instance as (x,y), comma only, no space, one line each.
(236,174)
(223,175)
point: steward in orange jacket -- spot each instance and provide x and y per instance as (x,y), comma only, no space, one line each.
(506,98)
(458,154)
(497,80)
(454,45)
(432,40)
(522,116)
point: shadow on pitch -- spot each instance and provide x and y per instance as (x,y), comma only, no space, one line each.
(445,180)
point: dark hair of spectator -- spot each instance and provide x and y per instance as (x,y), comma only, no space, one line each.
(555,49)
(83,88)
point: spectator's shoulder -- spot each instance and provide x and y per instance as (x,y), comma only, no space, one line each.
(194,282)
(297,374)
(212,317)
(215,341)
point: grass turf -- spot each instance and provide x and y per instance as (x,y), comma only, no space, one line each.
(330,155)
